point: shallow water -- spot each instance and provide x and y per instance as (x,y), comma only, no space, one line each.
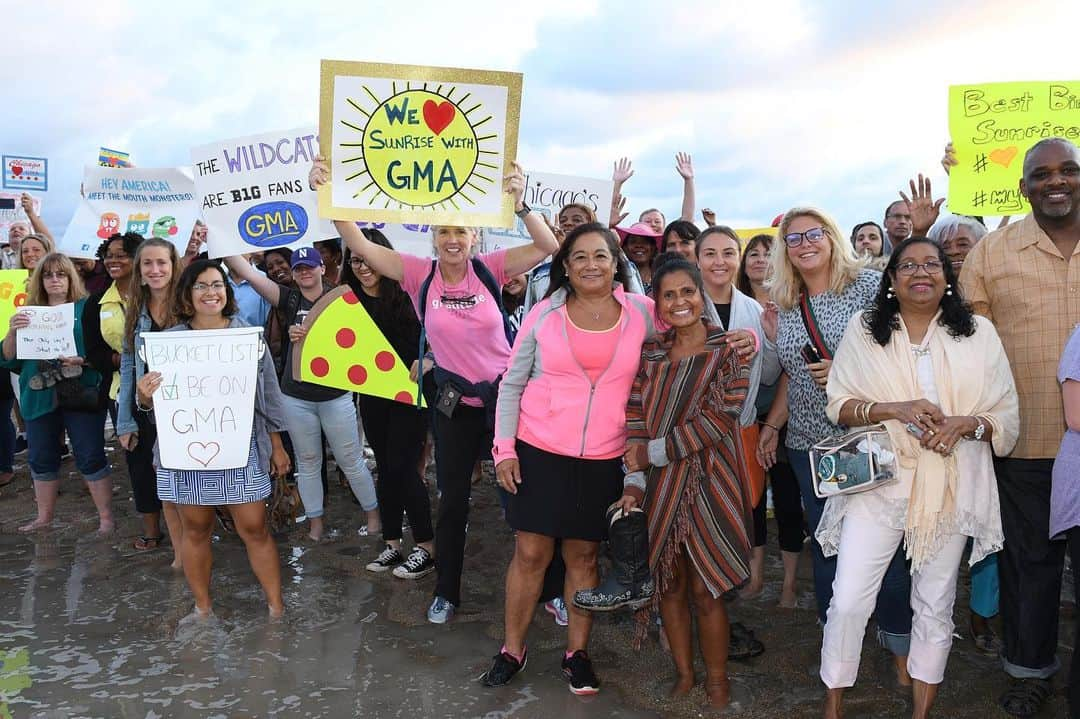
(93,628)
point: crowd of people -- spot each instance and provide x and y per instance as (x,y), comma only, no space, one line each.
(655,386)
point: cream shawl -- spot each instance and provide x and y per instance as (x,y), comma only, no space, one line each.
(972,378)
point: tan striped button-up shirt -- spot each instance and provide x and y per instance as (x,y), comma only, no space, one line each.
(1019,279)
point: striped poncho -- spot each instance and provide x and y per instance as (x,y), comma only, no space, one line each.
(697,503)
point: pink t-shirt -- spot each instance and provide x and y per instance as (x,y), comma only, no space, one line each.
(463,323)
(592,349)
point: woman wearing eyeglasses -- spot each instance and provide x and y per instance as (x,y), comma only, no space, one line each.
(920,362)
(816,266)
(204,300)
(55,281)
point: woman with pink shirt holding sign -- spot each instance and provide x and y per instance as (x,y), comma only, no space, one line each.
(458,302)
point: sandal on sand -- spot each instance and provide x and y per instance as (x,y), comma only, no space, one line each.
(144,544)
(1025,697)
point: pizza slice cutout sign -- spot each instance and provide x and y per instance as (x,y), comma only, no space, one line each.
(345,349)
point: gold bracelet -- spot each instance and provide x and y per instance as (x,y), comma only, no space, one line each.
(869,409)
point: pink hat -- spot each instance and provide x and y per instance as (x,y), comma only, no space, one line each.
(639,229)
(778,219)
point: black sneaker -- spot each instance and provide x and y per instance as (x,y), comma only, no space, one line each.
(503,668)
(388,559)
(577,669)
(418,564)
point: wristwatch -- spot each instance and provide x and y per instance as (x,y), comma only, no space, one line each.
(525,209)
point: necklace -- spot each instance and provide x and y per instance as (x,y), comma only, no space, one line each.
(595,315)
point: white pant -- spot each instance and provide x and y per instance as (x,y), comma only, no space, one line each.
(866,548)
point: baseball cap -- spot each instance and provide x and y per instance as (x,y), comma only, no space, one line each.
(307,256)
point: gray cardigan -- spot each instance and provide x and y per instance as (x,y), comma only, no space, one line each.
(765,368)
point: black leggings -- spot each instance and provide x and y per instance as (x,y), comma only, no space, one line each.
(396,433)
(140,462)
(787,508)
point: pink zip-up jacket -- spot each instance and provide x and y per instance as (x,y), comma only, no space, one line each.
(548,401)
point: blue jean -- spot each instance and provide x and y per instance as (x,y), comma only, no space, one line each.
(7,435)
(893,609)
(44,435)
(306,422)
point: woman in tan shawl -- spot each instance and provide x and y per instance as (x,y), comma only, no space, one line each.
(921,363)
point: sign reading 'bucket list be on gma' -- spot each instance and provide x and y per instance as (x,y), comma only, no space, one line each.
(253,192)
(413,144)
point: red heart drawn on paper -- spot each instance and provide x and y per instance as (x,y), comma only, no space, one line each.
(204,453)
(438,116)
(1004,156)
(16,169)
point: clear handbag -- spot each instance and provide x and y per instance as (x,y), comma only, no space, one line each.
(858,461)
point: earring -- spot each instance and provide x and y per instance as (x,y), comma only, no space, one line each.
(889,294)
(948,289)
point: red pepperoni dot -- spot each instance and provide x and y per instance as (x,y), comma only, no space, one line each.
(385,361)
(320,367)
(405,397)
(357,374)
(350,298)
(345,337)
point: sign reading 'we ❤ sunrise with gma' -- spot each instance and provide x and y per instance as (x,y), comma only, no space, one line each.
(991,127)
(408,143)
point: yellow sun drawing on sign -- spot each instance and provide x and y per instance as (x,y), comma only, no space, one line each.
(423,147)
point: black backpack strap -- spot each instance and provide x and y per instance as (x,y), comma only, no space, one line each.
(424,287)
(485,276)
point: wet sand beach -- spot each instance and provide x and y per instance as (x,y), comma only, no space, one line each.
(91,627)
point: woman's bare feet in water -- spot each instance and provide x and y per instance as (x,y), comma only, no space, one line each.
(718,692)
(682,686)
(37,524)
(106,527)
(276,610)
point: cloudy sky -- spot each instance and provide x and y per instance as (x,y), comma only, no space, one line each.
(781,102)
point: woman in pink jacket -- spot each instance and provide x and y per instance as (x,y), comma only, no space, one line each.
(560,432)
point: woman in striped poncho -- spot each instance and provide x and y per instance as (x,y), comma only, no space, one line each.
(683,420)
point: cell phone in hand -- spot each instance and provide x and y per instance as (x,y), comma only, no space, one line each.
(810,354)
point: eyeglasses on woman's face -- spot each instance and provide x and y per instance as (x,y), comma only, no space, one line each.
(814,234)
(356,261)
(57,275)
(217,286)
(907,269)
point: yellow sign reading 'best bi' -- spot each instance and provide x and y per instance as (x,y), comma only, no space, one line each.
(992,126)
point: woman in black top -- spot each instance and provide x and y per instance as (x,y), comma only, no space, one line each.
(395,431)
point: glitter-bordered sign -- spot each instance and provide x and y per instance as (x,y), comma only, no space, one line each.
(409,143)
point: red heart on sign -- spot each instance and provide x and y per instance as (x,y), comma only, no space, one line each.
(438,116)
(16,169)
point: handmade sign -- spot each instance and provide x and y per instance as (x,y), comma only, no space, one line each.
(149,202)
(25,173)
(408,143)
(344,348)
(748,233)
(12,293)
(547,194)
(113,158)
(11,212)
(992,126)
(206,402)
(254,194)
(50,334)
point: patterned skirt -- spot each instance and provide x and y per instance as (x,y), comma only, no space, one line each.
(249,483)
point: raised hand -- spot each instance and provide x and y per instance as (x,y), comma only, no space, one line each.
(684,165)
(922,206)
(514,184)
(618,206)
(948,160)
(622,171)
(319,173)
(709,216)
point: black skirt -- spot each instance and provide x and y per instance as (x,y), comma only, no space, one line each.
(564,497)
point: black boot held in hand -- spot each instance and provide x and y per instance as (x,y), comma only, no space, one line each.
(630,584)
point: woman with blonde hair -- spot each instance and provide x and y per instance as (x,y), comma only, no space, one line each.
(49,408)
(155,270)
(818,284)
(33,248)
